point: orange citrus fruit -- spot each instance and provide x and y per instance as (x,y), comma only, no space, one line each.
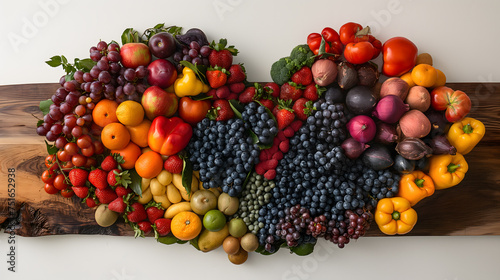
(424,75)
(130,113)
(104,112)
(441,79)
(186,225)
(139,133)
(115,136)
(149,164)
(130,155)
(407,78)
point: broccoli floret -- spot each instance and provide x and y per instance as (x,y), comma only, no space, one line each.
(301,55)
(281,70)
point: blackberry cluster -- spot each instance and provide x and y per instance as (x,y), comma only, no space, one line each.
(262,124)
(224,154)
(316,174)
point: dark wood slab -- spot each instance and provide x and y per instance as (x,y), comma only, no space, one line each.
(471,208)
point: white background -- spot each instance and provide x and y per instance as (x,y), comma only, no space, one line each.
(461,36)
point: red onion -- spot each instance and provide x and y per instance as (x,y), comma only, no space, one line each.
(362,128)
(386,133)
(352,148)
(390,109)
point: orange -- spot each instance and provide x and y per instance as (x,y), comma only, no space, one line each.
(424,75)
(149,165)
(130,155)
(407,78)
(186,225)
(115,136)
(105,112)
(441,79)
(139,133)
(130,113)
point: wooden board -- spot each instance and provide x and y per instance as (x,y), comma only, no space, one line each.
(471,208)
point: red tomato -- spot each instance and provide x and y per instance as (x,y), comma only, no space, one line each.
(48,176)
(359,53)
(67,193)
(50,160)
(400,56)
(456,103)
(348,32)
(193,111)
(60,182)
(49,188)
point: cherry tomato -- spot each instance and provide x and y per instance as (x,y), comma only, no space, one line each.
(348,32)
(79,160)
(84,141)
(98,147)
(67,165)
(91,162)
(193,111)
(60,182)
(359,53)
(67,193)
(48,176)
(63,156)
(50,189)
(89,151)
(71,148)
(50,160)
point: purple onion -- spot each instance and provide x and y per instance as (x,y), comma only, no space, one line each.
(386,133)
(352,148)
(390,109)
(362,128)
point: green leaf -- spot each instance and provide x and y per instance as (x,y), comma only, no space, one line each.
(85,64)
(199,70)
(136,182)
(322,46)
(45,106)
(174,30)
(64,60)
(54,61)
(39,123)
(236,107)
(129,35)
(159,26)
(194,242)
(303,249)
(51,149)
(187,174)
(263,251)
(170,239)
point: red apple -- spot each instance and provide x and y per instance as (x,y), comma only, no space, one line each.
(135,54)
(162,73)
(162,45)
(158,102)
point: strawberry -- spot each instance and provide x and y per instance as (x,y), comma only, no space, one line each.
(303,108)
(105,195)
(313,92)
(162,227)
(212,93)
(236,74)
(237,87)
(98,178)
(173,164)
(118,205)
(90,202)
(221,55)
(232,95)
(272,89)
(137,213)
(290,91)
(223,92)
(109,163)
(303,76)
(142,228)
(267,103)
(78,177)
(285,115)
(216,77)
(223,110)
(154,212)
(247,95)
(80,191)
(121,191)
(116,177)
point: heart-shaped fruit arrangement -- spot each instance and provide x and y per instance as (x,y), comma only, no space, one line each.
(166,134)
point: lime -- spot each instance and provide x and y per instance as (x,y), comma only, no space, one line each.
(214,220)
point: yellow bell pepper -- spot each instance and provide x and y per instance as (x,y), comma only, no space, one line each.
(447,170)
(188,84)
(415,186)
(395,216)
(465,134)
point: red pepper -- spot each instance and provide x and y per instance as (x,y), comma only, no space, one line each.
(456,103)
(352,32)
(168,136)
(348,32)
(400,55)
(314,42)
(332,41)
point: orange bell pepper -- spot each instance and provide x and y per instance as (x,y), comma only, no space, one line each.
(168,136)
(395,216)
(415,186)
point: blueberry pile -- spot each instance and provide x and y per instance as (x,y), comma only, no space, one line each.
(224,154)
(261,123)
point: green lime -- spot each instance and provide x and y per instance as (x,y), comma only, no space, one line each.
(214,220)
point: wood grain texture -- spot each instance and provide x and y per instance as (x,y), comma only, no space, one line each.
(471,208)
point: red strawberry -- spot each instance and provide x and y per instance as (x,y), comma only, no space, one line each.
(302,108)
(212,93)
(267,103)
(289,91)
(237,87)
(285,115)
(162,227)
(173,164)
(142,228)
(105,195)
(223,110)
(313,92)
(98,178)
(90,202)
(232,95)
(216,77)
(78,177)
(122,191)
(118,205)
(109,163)
(273,89)
(223,92)
(137,213)
(116,177)
(303,76)
(236,74)
(81,191)
(154,213)
(220,55)
(247,95)
(270,174)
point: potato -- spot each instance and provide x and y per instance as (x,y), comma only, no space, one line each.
(394,86)
(418,98)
